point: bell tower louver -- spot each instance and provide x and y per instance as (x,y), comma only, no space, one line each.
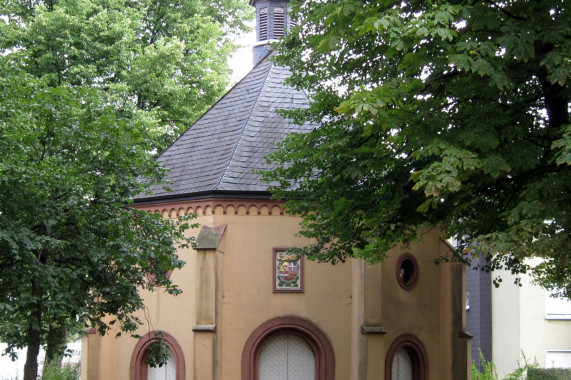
(272,23)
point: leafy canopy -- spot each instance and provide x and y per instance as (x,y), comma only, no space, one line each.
(91,90)
(168,58)
(441,113)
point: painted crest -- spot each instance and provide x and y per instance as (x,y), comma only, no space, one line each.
(287,270)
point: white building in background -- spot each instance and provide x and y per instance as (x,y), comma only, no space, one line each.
(515,324)
(528,324)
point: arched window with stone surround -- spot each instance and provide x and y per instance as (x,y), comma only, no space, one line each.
(172,369)
(286,357)
(406,359)
(288,348)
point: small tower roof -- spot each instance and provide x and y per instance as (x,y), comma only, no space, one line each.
(254,2)
(220,152)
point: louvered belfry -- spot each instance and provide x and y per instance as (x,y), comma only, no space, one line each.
(272,22)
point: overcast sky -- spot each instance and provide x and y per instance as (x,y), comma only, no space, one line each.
(241,61)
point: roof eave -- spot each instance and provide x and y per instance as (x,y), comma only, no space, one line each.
(210,194)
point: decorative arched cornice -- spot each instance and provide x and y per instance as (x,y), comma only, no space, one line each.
(313,336)
(215,206)
(137,370)
(417,353)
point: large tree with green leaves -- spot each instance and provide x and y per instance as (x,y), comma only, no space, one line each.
(91,90)
(168,58)
(440,113)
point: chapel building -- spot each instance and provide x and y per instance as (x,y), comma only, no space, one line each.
(251,311)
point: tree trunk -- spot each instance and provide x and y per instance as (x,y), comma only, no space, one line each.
(554,95)
(34,335)
(55,347)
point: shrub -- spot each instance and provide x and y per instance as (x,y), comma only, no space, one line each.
(489,371)
(55,372)
(549,374)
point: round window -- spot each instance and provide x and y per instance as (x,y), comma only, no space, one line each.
(407,271)
(153,279)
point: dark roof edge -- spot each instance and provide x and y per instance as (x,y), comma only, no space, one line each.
(210,194)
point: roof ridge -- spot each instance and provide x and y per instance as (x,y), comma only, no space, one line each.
(246,122)
(216,103)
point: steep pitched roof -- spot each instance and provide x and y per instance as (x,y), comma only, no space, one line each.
(219,152)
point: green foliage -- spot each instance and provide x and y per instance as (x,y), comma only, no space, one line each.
(91,90)
(521,373)
(55,372)
(158,353)
(433,113)
(166,58)
(489,372)
(549,374)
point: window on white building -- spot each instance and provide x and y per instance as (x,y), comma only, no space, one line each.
(557,308)
(558,359)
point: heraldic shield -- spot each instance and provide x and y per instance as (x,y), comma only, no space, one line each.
(288,271)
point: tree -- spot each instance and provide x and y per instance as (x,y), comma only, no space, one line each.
(70,251)
(433,113)
(91,90)
(169,58)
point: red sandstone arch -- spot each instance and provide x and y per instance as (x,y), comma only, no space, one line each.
(311,334)
(138,368)
(417,353)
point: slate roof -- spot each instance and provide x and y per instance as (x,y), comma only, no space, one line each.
(219,152)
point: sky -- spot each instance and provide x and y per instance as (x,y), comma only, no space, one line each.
(241,61)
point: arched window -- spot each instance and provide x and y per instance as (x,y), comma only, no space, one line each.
(288,348)
(173,369)
(402,365)
(406,359)
(167,371)
(286,357)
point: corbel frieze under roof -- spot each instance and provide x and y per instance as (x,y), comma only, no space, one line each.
(216,206)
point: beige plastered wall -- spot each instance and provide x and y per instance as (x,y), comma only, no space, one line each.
(108,358)
(243,297)
(247,296)
(433,310)
(338,299)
